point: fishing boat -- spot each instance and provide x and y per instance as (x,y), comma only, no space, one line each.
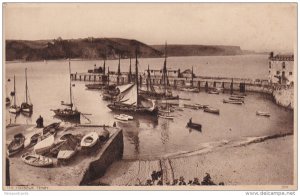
(212,110)
(260,113)
(89,140)
(201,106)
(16,145)
(36,160)
(190,89)
(191,106)
(26,106)
(68,114)
(232,102)
(192,125)
(44,145)
(94,86)
(130,101)
(236,98)
(15,109)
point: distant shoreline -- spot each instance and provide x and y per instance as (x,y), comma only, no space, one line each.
(100,59)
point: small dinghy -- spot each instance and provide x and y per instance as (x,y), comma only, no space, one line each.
(52,128)
(36,160)
(213,92)
(69,148)
(89,140)
(212,110)
(266,114)
(120,117)
(127,116)
(192,125)
(236,99)
(44,145)
(32,140)
(191,106)
(16,145)
(232,102)
(201,106)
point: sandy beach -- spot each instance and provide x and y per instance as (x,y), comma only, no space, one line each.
(269,162)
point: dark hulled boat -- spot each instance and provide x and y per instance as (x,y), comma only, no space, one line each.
(130,101)
(68,113)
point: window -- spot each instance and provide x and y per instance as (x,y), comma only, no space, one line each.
(278,72)
(283,65)
(270,65)
(291,73)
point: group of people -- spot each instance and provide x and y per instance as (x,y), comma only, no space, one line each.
(156,179)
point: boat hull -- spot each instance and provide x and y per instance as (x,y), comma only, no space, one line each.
(67,115)
(132,109)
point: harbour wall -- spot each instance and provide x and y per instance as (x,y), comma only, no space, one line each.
(283,94)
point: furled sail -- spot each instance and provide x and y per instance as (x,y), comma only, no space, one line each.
(129,96)
(123,88)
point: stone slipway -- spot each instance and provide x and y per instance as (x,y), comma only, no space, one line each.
(80,171)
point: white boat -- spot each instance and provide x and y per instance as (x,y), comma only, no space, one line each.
(122,118)
(212,110)
(260,113)
(89,140)
(191,106)
(44,145)
(127,116)
(165,116)
(36,160)
(232,101)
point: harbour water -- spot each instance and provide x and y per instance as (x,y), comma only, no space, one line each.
(146,137)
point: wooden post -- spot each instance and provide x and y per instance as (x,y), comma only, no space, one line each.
(214,84)
(206,86)
(75,77)
(80,77)
(140,81)
(94,78)
(199,85)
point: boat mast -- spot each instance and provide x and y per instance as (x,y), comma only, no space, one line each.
(136,76)
(165,71)
(14,90)
(71,104)
(26,87)
(192,76)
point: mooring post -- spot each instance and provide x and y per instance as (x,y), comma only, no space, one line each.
(80,77)
(231,86)
(94,78)
(215,84)
(199,85)
(89,77)
(175,84)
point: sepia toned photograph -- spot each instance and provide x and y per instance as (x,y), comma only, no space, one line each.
(149,96)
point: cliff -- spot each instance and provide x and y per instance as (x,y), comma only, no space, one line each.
(199,50)
(88,48)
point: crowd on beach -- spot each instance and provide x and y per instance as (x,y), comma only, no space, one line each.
(156,180)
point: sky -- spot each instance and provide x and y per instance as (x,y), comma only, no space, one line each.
(252,26)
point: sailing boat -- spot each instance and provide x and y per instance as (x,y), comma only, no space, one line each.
(15,109)
(167,93)
(7,99)
(26,106)
(68,114)
(131,102)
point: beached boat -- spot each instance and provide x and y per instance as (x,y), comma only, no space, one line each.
(89,140)
(52,128)
(32,140)
(166,116)
(191,106)
(192,125)
(236,98)
(127,116)
(16,145)
(26,106)
(15,109)
(44,145)
(239,95)
(190,89)
(260,113)
(129,101)
(201,106)
(212,110)
(69,148)
(120,117)
(232,102)
(68,114)
(37,160)
(95,86)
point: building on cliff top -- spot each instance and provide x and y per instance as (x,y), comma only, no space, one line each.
(281,69)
